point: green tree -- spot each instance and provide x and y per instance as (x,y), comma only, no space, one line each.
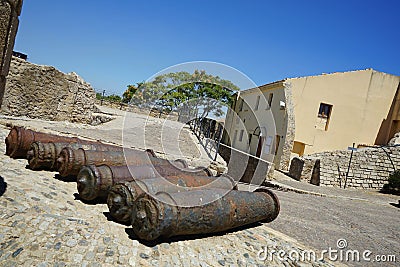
(113,98)
(130,92)
(193,95)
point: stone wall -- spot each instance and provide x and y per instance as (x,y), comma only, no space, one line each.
(172,116)
(369,168)
(9,12)
(44,92)
(244,167)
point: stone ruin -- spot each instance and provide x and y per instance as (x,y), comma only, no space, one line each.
(46,93)
(9,12)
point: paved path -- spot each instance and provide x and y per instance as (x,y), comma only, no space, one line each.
(169,139)
(367,220)
(43,223)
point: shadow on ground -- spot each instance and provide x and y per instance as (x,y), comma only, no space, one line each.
(3,186)
(89,202)
(67,179)
(173,239)
(397,205)
(111,219)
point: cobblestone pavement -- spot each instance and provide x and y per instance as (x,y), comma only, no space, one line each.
(43,223)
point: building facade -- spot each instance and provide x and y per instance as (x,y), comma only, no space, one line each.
(306,115)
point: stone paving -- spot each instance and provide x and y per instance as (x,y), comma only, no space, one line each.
(43,223)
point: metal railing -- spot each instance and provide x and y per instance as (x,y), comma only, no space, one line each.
(209,133)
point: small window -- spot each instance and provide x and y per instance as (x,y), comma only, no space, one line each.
(324,115)
(324,110)
(257,103)
(270,97)
(241,135)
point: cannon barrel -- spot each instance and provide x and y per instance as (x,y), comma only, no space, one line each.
(95,182)
(43,156)
(164,215)
(122,195)
(70,160)
(20,139)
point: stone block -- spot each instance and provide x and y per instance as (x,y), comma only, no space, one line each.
(46,93)
(13,27)
(5,14)
(16,5)
(296,168)
(9,12)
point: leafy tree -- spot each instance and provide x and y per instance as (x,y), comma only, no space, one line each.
(113,98)
(130,92)
(191,95)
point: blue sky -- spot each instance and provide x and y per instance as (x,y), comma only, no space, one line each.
(115,43)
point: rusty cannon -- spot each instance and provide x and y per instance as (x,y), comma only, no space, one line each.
(43,156)
(20,139)
(70,160)
(96,181)
(122,195)
(200,212)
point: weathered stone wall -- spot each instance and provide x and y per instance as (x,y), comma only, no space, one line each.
(369,168)
(9,12)
(44,92)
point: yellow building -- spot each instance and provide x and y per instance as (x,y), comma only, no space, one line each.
(312,114)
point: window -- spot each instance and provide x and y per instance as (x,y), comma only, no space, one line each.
(268,144)
(270,97)
(241,135)
(257,103)
(324,110)
(324,114)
